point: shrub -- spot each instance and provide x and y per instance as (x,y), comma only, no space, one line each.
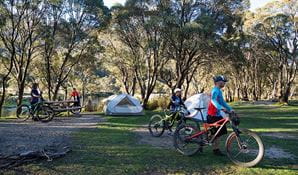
(89,106)
(152,104)
(158,103)
(100,106)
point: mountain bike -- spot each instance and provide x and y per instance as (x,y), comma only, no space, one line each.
(244,147)
(159,123)
(39,111)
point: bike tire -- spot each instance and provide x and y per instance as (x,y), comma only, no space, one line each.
(180,140)
(44,113)
(23,112)
(76,111)
(232,139)
(156,122)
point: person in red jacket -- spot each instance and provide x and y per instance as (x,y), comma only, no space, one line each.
(76,97)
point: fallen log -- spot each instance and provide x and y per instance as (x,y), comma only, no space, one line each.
(11,161)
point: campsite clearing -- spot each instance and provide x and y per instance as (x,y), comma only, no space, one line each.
(114,148)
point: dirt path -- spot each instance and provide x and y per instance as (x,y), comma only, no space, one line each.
(165,141)
(17,137)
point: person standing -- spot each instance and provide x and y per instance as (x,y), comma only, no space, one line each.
(75,95)
(35,94)
(217,103)
(35,97)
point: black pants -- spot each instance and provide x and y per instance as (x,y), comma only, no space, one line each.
(213,119)
(78,101)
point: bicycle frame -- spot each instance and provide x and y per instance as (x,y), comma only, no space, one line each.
(221,123)
(173,118)
(34,107)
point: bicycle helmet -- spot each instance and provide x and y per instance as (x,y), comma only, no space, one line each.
(220,78)
(177,90)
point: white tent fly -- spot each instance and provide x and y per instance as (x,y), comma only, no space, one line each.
(198,101)
(123,104)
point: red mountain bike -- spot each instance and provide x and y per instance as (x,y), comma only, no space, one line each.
(244,147)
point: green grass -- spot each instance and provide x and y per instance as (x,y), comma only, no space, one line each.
(9,117)
(113,148)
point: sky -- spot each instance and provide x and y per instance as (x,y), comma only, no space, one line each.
(254,3)
(109,3)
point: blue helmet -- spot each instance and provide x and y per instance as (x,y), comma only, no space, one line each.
(220,78)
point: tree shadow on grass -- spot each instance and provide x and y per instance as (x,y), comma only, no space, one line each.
(118,148)
(117,151)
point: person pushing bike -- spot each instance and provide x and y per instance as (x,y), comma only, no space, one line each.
(175,105)
(216,105)
(176,100)
(36,96)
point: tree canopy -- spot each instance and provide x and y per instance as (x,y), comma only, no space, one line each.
(149,46)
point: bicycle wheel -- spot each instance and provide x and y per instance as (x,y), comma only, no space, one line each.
(156,125)
(23,112)
(76,111)
(44,113)
(247,150)
(183,144)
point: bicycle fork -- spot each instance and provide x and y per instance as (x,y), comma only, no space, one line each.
(238,138)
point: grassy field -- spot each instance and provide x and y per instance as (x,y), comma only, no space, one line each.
(113,148)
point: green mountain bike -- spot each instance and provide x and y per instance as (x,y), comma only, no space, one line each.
(39,111)
(159,123)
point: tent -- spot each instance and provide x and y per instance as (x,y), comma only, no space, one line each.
(199,101)
(123,104)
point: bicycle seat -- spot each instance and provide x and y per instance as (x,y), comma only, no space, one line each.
(198,109)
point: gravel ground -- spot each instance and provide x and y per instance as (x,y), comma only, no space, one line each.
(18,137)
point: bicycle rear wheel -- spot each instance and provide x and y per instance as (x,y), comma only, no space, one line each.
(247,150)
(183,144)
(23,112)
(45,113)
(76,111)
(156,125)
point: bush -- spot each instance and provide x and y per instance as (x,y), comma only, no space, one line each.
(100,106)
(152,104)
(158,103)
(89,106)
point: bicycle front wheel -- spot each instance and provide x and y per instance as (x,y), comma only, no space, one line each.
(183,143)
(23,112)
(45,113)
(156,125)
(247,150)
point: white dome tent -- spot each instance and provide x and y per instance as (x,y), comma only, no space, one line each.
(199,101)
(123,104)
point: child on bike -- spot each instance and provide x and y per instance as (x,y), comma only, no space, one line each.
(216,104)
(175,105)
(176,100)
